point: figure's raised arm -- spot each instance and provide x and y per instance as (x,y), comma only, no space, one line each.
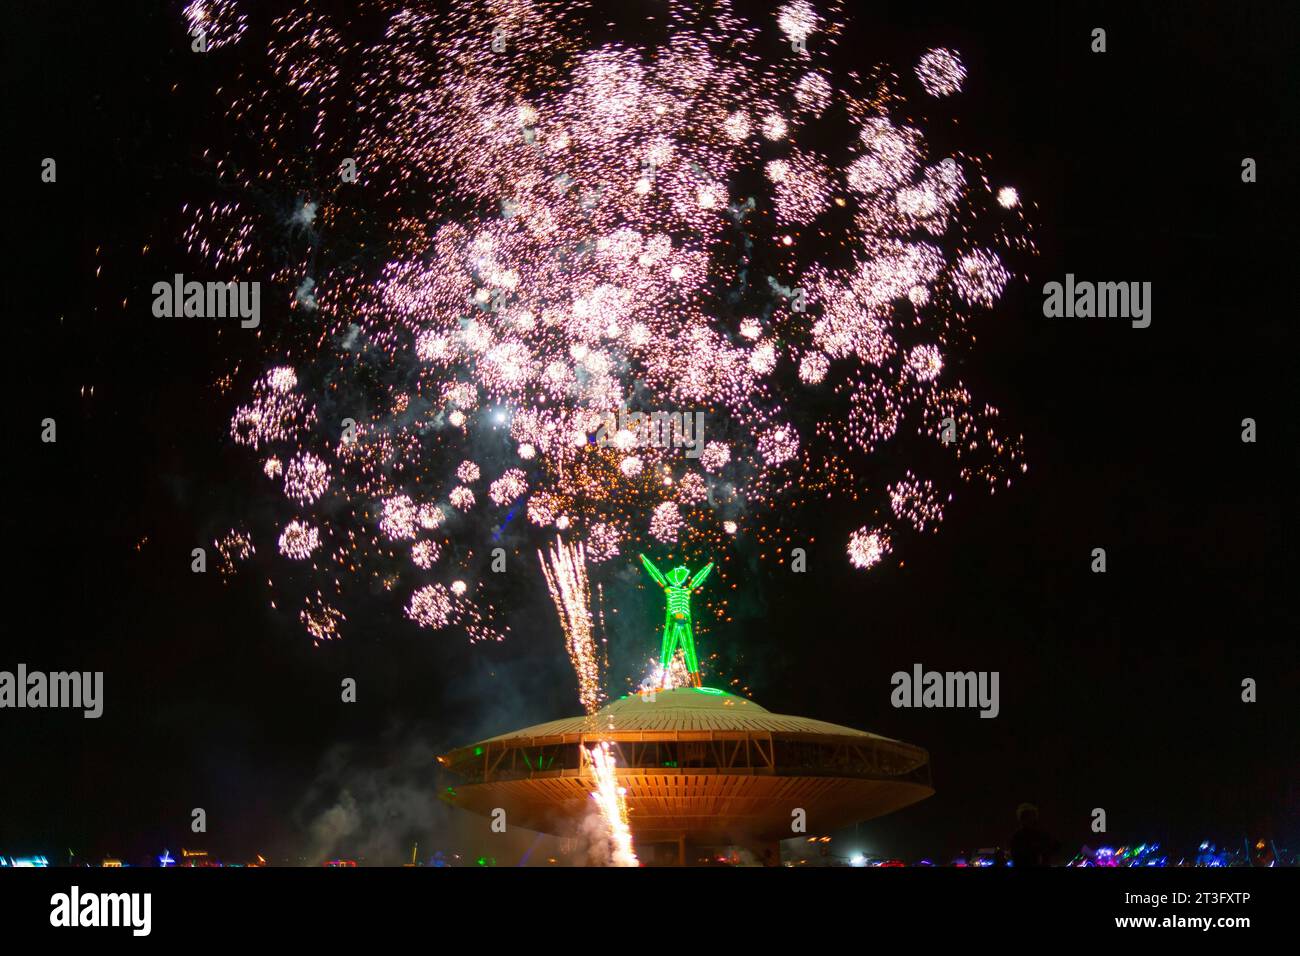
(700,576)
(654,572)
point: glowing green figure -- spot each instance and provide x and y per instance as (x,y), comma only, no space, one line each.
(677,619)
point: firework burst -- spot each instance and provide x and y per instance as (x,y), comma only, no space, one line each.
(520,231)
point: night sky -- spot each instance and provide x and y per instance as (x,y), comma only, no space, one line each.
(1119,691)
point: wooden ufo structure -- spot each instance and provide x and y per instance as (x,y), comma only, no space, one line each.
(700,767)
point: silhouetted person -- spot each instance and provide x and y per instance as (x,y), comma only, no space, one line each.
(1030,846)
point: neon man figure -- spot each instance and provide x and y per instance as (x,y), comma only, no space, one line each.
(677,618)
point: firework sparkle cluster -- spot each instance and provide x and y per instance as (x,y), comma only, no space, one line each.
(493,232)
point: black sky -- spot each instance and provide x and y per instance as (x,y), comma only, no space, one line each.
(1119,691)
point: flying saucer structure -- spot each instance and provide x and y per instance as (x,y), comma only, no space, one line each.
(701,768)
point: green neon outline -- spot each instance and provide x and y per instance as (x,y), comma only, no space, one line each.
(678,586)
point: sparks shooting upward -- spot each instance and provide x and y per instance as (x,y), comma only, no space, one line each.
(565,569)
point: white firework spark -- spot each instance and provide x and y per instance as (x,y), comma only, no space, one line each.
(941,72)
(867,547)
